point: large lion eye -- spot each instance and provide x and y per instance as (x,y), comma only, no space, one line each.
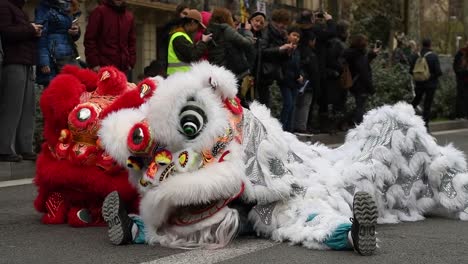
(139,139)
(192,120)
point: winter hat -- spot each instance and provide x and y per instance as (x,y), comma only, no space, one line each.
(257,13)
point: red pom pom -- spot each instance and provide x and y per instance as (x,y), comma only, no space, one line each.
(234,105)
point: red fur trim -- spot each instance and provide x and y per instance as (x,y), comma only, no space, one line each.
(56,102)
(111,81)
(87,77)
(132,98)
(146,88)
(82,186)
(147,142)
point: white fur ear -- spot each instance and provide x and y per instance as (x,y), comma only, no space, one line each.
(223,81)
(114,132)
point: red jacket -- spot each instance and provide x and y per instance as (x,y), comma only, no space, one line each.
(110,37)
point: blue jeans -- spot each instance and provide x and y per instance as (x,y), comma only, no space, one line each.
(289,94)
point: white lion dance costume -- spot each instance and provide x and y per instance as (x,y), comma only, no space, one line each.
(207,170)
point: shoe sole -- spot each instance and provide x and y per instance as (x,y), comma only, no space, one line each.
(365,212)
(117,219)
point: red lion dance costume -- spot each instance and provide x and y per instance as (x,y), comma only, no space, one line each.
(73,172)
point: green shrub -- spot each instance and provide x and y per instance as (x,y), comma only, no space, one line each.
(392,83)
(445,96)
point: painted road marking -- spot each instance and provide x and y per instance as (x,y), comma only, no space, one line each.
(15,182)
(235,249)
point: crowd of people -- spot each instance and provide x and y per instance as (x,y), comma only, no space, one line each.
(313,60)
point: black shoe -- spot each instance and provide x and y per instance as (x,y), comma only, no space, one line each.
(120,224)
(364,222)
(10,158)
(29,156)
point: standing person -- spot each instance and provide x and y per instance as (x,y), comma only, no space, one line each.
(180,12)
(428,86)
(17,100)
(254,56)
(292,80)
(359,59)
(56,45)
(311,75)
(336,63)
(274,53)
(181,50)
(324,27)
(460,67)
(110,37)
(231,45)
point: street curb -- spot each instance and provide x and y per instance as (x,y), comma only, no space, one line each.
(27,169)
(339,138)
(17,170)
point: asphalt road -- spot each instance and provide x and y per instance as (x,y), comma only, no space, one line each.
(23,239)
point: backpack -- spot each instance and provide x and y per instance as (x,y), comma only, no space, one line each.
(421,71)
(346,79)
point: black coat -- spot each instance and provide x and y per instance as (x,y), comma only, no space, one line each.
(324,33)
(359,65)
(310,68)
(269,57)
(229,46)
(434,68)
(17,33)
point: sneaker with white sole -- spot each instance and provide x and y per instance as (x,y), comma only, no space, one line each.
(115,215)
(364,222)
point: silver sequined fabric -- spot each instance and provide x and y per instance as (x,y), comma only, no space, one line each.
(446,184)
(254,133)
(265,212)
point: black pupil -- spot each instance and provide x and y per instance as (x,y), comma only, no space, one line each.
(137,136)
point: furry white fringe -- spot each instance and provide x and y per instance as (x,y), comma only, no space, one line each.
(390,155)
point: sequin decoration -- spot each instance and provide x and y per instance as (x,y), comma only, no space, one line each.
(256,134)
(406,182)
(183,158)
(383,139)
(298,190)
(446,184)
(293,157)
(265,212)
(277,168)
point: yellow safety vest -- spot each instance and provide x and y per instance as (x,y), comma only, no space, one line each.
(173,63)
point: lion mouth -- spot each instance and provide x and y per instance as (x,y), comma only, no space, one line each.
(192,214)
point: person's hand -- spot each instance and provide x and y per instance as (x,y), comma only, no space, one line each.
(327,16)
(248,26)
(45,69)
(206,38)
(300,79)
(96,68)
(37,29)
(286,47)
(74,30)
